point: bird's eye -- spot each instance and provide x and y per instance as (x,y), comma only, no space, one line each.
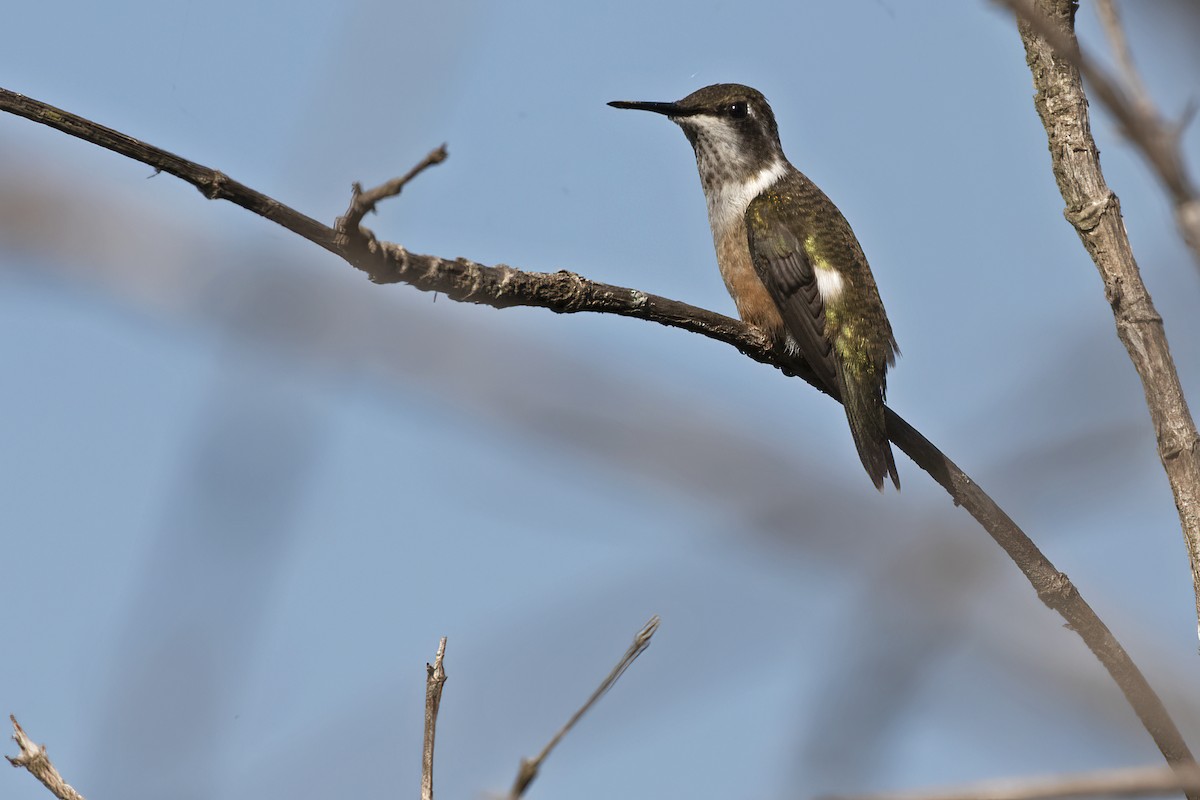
(738,110)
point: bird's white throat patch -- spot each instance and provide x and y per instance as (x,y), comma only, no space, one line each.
(727,201)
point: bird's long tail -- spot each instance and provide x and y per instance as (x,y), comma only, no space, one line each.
(865,411)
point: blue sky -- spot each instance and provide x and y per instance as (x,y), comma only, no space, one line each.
(245,491)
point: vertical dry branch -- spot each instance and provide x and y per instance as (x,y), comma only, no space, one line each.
(435,678)
(1095,212)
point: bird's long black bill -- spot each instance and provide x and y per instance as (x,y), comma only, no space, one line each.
(668,109)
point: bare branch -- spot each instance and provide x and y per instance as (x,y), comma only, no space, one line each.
(33,758)
(435,678)
(1094,210)
(1132,782)
(566,292)
(529,767)
(1156,139)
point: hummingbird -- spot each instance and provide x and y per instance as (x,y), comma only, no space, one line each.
(789,258)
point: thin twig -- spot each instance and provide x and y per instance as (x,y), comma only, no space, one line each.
(435,678)
(362,203)
(1158,140)
(529,767)
(567,292)
(1130,782)
(1047,32)
(33,758)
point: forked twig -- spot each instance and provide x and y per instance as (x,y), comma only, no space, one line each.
(362,203)
(33,758)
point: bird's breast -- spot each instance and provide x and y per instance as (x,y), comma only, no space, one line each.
(728,199)
(754,303)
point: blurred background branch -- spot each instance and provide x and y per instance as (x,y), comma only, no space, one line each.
(1129,782)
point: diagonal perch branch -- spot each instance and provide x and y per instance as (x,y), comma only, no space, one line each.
(566,292)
